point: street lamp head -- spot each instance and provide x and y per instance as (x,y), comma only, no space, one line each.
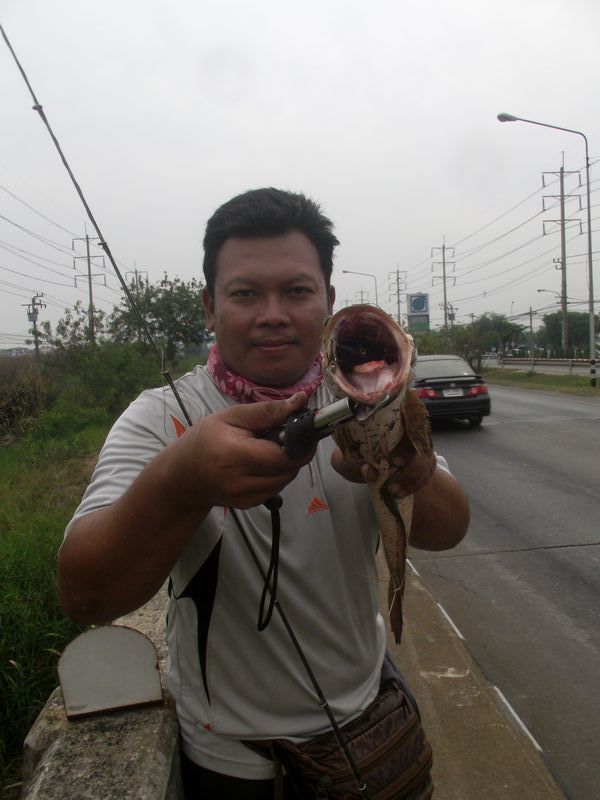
(507,118)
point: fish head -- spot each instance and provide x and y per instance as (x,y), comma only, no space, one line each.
(366,355)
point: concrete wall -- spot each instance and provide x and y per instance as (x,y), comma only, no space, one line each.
(133,753)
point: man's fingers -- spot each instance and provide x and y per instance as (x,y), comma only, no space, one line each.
(348,470)
(260,489)
(355,471)
(259,417)
(369,473)
(413,477)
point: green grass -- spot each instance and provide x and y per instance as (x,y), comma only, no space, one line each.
(46,458)
(522,379)
(41,483)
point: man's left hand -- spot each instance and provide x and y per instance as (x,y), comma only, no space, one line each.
(409,472)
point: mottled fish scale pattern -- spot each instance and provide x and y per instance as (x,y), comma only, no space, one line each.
(374,439)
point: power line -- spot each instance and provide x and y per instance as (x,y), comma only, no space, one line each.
(44,239)
(14,249)
(35,211)
(74,272)
(416,277)
(56,283)
(498,218)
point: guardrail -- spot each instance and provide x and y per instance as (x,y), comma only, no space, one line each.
(571,363)
(542,360)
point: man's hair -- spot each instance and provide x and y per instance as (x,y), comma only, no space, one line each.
(267,212)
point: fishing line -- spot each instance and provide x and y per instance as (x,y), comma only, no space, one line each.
(102,241)
(275,604)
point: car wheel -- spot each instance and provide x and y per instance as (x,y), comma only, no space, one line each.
(476,421)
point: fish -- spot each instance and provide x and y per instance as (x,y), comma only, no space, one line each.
(369,357)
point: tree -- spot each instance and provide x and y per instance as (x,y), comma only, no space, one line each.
(549,335)
(471,343)
(73,328)
(80,376)
(498,333)
(172,311)
(431,342)
(488,333)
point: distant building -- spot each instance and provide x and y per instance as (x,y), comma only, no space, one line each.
(17,351)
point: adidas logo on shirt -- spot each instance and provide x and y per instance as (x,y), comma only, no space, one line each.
(315,505)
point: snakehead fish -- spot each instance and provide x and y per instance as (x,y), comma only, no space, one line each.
(368,357)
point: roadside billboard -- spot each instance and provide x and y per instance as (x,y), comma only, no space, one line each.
(418,311)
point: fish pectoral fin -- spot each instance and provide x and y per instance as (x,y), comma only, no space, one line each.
(416,423)
(349,446)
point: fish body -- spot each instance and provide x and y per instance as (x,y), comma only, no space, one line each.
(369,357)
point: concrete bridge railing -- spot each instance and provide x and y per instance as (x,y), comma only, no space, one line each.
(129,753)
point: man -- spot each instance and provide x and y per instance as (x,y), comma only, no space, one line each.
(159,499)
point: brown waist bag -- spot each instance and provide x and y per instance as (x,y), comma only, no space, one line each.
(388,745)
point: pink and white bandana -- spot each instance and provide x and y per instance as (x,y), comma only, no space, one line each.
(245,391)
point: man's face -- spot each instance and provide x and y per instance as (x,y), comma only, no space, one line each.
(269,306)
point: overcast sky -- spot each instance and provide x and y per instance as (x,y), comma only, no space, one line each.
(383,112)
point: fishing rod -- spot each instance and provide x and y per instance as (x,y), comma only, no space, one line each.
(302,431)
(297,437)
(37,106)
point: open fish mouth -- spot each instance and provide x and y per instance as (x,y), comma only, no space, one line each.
(367,355)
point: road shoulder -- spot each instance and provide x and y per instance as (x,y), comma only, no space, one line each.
(478,751)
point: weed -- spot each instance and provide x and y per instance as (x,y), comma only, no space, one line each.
(41,482)
(565,384)
(52,424)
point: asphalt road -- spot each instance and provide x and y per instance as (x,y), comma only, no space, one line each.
(524,586)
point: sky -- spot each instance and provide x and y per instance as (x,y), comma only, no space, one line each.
(383,112)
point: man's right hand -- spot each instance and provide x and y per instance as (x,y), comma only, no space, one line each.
(116,558)
(222,458)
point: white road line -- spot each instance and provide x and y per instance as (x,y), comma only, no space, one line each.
(517,718)
(412,566)
(455,629)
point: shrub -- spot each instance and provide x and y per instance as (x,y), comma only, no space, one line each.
(21,400)
(40,484)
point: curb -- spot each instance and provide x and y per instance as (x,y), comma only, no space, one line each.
(481,749)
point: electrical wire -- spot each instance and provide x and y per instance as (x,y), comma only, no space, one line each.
(15,250)
(415,278)
(104,244)
(35,211)
(50,242)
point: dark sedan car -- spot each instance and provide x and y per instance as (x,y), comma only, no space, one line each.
(450,389)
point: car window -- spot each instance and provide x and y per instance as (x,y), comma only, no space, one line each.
(442,368)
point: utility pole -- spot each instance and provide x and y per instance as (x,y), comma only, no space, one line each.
(531,341)
(88,257)
(452,314)
(445,251)
(563,248)
(138,281)
(563,266)
(396,287)
(32,316)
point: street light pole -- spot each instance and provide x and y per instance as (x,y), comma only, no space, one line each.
(510,118)
(369,275)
